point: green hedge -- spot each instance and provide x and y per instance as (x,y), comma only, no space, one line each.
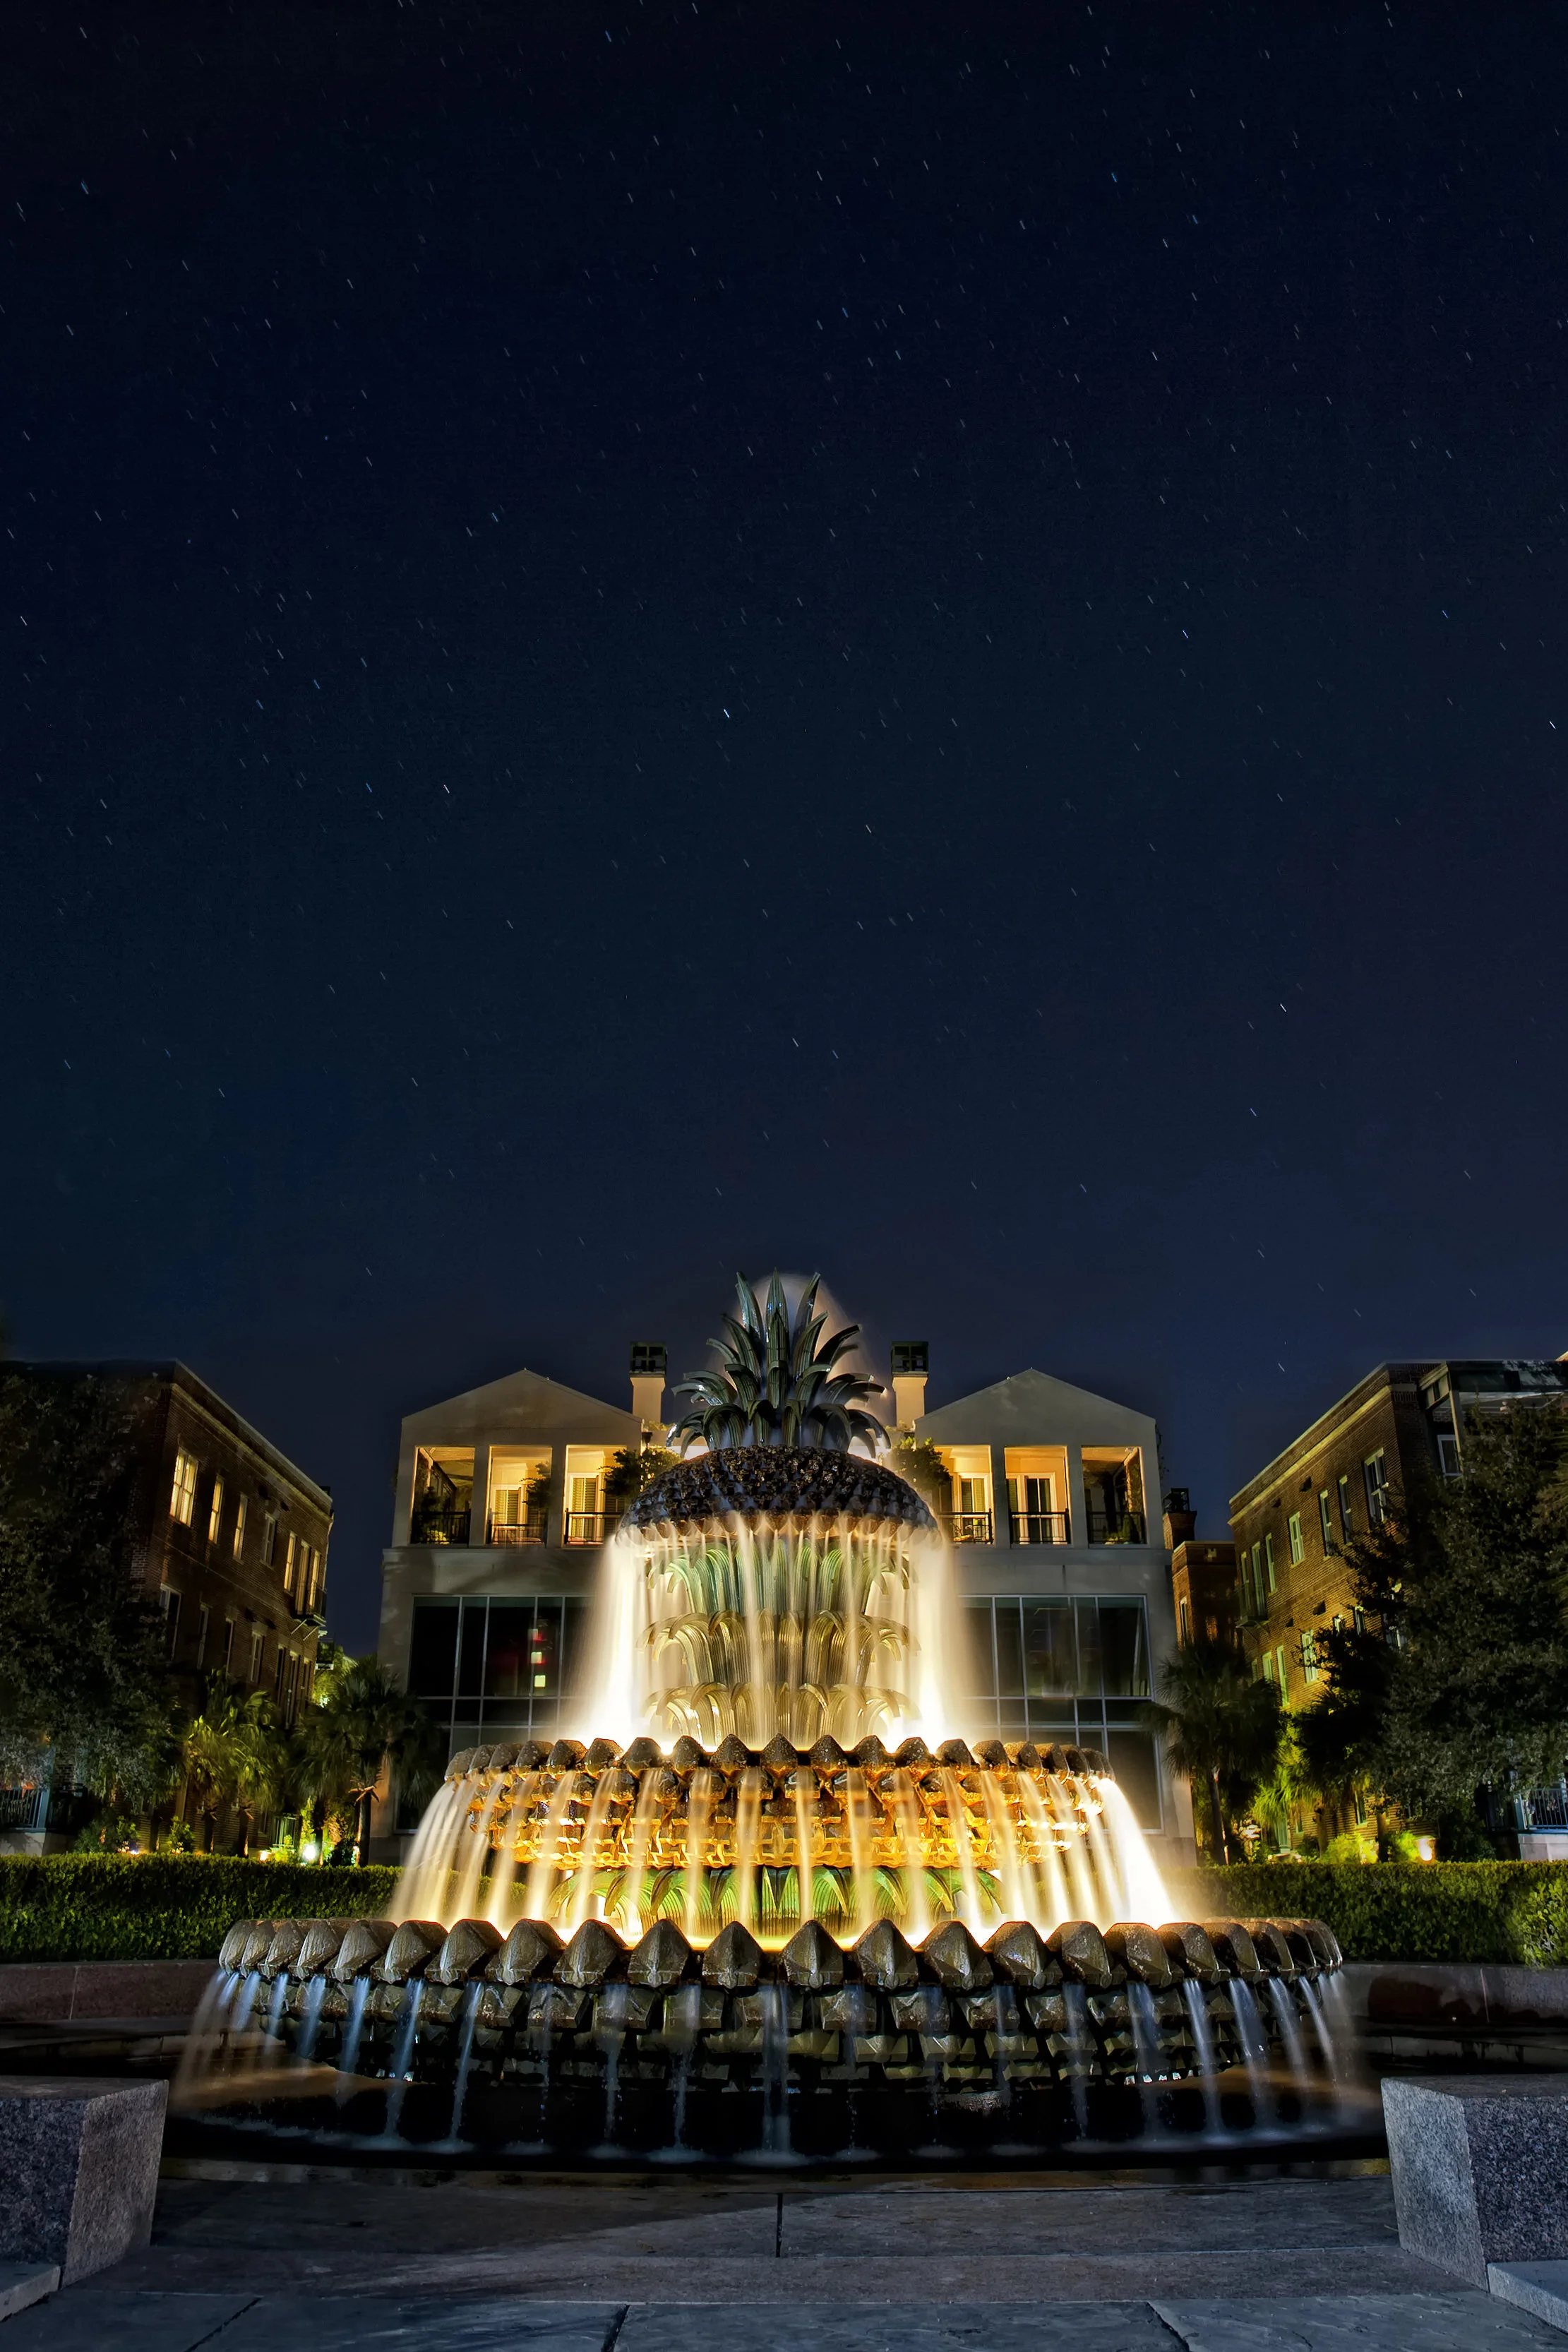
(1391,1911)
(81,1907)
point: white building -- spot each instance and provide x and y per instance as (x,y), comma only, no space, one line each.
(502,1512)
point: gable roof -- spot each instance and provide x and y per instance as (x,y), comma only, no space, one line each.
(1033,1408)
(523,1404)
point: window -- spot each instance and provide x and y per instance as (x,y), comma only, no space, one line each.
(279,1670)
(1267,1665)
(1257,1576)
(1070,1670)
(1309,1657)
(1297,1549)
(268,1541)
(215,1512)
(1358,1619)
(1185,1616)
(1269,1557)
(1449,1454)
(202,1616)
(1435,1389)
(1279,1668)
(317,1580)
(289,1566)
(1346,1517)
(258,1642)
(228,1646)
(183,1501)
(239,1527)
(171,1600)
(1375,1471)
(1325,1521)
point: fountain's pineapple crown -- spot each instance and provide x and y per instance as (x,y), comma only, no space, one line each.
(779,1384)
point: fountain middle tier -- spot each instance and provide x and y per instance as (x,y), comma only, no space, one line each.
(780,1837)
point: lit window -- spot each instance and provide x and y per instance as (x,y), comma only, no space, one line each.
(1347,1519)
(1325,1520)
(1185,1624)
(1297,1549)
(238,1538)
(216,1514)
(1375,1471)
(183,1501)
(289,1566)
(1269,1557)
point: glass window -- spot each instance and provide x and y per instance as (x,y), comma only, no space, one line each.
(228,1646)
(1184,1621)
(1131,1760)
(982,1647)
(1267,1665)
(203,1616)
(216,1511)
(471,1652)
(1325,1521)
(182,1499)
(1279,1668)
(1297,1549)
(241,1508)
(508,1669)
(1309,1657)
(171,1600)
(433,1649)
(257,1642)
(1258,1574)
(268,1541)
(289,1565)
(1376,1476)
(1051,1662)
(1123,1662)
(1269,1559)
(1449,1454)
(1346,1517)
(1010,1650)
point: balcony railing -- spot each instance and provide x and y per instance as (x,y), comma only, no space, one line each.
(1543,1808)
(1040,1526)
(530,1528)
(439,1526)
(967,1527)
(591,1526)
(1117,1527)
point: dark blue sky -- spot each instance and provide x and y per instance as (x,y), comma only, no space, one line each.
(921,641)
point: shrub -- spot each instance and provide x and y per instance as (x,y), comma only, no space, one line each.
(1481,1911)
(163,1906)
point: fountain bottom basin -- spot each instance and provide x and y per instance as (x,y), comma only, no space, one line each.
(421,2038)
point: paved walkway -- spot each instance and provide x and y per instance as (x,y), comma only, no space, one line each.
(333,2263)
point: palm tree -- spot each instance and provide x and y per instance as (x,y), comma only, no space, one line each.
(229,1753)
(1219,1726)
(366,1726)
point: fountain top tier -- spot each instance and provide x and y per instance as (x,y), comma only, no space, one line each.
(780,1758)
(782,1484)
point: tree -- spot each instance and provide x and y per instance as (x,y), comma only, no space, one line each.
(365,1725)
(232,1754)
(84,1698)
(631,1469)
(1457,1678)
(926,1471)
(1220,1728)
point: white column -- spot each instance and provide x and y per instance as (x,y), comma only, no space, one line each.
(1002,1530)
(479,1502)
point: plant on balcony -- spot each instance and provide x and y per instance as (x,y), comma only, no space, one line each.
(630,1470)
(922,1467)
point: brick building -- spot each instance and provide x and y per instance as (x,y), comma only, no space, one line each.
(1203,1588)
(1293,1522)
(230,1535)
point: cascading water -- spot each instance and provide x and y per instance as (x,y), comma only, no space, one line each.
(772,1861)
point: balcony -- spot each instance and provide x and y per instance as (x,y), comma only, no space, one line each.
(1038,1526)
(591,1526)
(1117,1526)
(439,1526)
(528,1529)
(967,1527)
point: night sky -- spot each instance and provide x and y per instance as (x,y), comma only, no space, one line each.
(921,641)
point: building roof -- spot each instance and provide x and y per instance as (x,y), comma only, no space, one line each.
(1028,1402)
(532,1403)
(172,1374)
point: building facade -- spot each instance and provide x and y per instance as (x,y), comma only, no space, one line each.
(230,1537)
(1204,1591)
(502,1513)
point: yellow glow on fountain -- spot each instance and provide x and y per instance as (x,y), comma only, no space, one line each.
(783,1613)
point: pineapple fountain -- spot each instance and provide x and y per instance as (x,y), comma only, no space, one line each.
(776,1903)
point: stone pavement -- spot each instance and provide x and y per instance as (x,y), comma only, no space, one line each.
(325,2261)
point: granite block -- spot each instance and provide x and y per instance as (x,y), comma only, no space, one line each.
(79,2168)
(1539,2288)
(970,2326)
(1346,2323)
(36,1992)
(1479,2165)
(372,2322)
(22,2284)
(106,2319)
